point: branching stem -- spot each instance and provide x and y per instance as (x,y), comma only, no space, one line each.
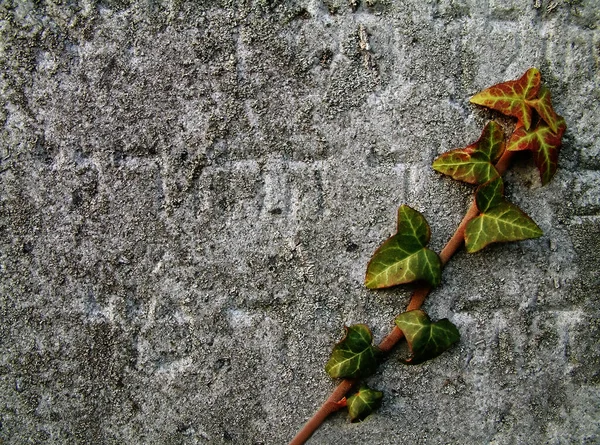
(332,404)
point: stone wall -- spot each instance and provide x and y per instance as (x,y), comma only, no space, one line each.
(190,192)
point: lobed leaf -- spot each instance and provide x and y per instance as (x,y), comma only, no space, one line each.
(511,98)
(425,339)
(403,257)
(363,403)
(354,356)
(489,195)
(544,143)
(543,105)
(474,164)
(499,221)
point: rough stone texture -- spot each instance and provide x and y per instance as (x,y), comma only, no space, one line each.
(190,192)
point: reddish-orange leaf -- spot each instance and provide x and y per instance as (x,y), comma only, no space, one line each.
(543,142)
(511,98)
(474,163)
(543,105)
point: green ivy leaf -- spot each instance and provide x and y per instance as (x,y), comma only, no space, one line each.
(474,164)
(490,196)
(544,143)
(363,403)
(513,98)
(403,258)
(354,356)
(499,221)
(425,339)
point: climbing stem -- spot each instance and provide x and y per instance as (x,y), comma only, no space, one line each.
(337,398)
(331,405)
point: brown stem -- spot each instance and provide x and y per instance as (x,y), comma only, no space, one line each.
(391,339)
(331,405)
(417,299)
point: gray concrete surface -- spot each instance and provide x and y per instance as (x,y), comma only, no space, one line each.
(190,192)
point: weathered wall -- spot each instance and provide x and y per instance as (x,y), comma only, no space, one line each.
(190,192)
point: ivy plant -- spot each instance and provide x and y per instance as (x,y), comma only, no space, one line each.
(405,258)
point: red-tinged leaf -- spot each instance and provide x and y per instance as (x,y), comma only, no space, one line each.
(363,403)
(474,164)
(511,98)
(499,220)
(404,258)
(354,356)
(543,105)
(544,143)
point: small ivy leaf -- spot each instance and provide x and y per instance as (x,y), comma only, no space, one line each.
(511,98)
(544,143)
(354,356)
(499,221)
(425,339)
(474,164)
(403,258)
(543,105)
(363,403)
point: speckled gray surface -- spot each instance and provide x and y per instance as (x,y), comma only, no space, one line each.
(190,191)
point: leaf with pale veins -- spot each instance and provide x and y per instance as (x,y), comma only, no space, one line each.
(543,143)
(404,257)
(425,339)
(363,403)
(513,98)
(354,356)
(474,163)
(499,220)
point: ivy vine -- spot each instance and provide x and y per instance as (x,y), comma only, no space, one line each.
(405,258)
